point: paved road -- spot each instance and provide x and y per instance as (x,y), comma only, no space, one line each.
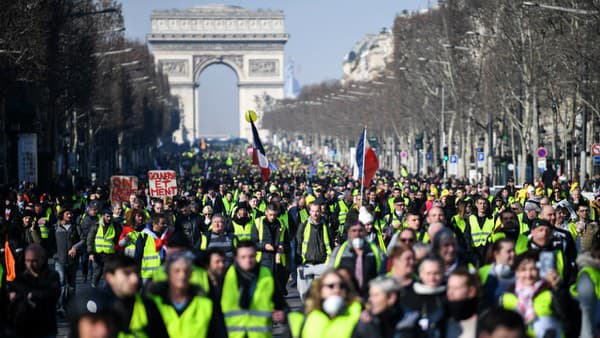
(292,299)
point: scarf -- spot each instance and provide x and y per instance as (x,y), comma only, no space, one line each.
(525,299)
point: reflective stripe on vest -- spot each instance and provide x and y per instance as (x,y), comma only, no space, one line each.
(151,259)
(254,322)
(193,322)
(344,247)
(242,232)
(480,235)
(104,242)
(306,240)
(343,212)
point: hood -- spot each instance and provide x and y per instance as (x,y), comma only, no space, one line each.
(586,260)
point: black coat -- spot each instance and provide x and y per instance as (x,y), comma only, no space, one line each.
(392,323)
(39,310)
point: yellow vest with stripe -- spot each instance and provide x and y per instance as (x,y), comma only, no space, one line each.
(242,232)
(343,212)
(138,321)
(105,242)
(340,254)
(542,306)
(151,258)
(193,322)
(259,230)
(318,324)
(306,240)
(44,228)
(228,206)
(480,235)
(254,322)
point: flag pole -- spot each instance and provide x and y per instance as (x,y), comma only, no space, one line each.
(362,174)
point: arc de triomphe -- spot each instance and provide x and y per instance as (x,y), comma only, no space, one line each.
(250,42)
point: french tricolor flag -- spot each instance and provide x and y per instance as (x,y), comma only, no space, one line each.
(259,156)
(366,162)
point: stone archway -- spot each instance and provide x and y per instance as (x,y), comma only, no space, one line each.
(250,42)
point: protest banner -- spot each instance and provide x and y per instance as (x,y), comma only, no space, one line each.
(121,187)
(162,183)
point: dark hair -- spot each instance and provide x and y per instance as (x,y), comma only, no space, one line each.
(495,247)
(272,207)
(472,279)
(215,251)
(118,261)
(156,218)
(244,244)
(497,317)
(529,255)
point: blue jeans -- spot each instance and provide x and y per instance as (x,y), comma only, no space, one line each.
(67,274)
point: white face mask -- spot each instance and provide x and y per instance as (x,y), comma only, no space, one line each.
(502,270)
(357,243)
(332,305)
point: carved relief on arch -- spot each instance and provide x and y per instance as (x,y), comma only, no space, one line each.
(202,61)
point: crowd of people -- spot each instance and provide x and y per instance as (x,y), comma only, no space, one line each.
(408,256)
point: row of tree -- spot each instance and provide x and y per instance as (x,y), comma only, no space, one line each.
(95,99)
(467,77)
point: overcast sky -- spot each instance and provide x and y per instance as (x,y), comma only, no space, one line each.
(321,33)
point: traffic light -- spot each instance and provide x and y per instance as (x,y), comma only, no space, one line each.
(445,153)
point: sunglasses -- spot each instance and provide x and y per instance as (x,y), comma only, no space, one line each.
(407,240)
(333,286)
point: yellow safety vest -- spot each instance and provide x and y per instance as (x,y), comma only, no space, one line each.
(138,322)
(594,275)
(318,324)
(480,235)
(242,232)
(306,239)
(45,228)
(340,254)
(259,230)
(254,322)
(295,322)
(193,322)
(343,212)
(105,242)
(151,259)
(542,306)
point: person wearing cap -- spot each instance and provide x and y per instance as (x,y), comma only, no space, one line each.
(101,241)
(137,315)
(359,256)
(33,296)
(396,216)
(91,316)
(385,317)
(531,211)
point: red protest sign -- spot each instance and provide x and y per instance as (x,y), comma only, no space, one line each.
(162,183)
(121,187)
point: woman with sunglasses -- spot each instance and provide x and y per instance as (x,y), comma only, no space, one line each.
(331,309)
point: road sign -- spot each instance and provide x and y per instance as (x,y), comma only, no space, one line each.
(596,160)
(429,156)
(541,164)
(596,149)
(403,154)
(542,152)
(453,158)
(480,159)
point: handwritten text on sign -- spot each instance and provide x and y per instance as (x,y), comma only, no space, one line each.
(162,183)
(121,187)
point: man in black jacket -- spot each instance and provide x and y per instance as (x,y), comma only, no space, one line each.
(123,282)
(33,296)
